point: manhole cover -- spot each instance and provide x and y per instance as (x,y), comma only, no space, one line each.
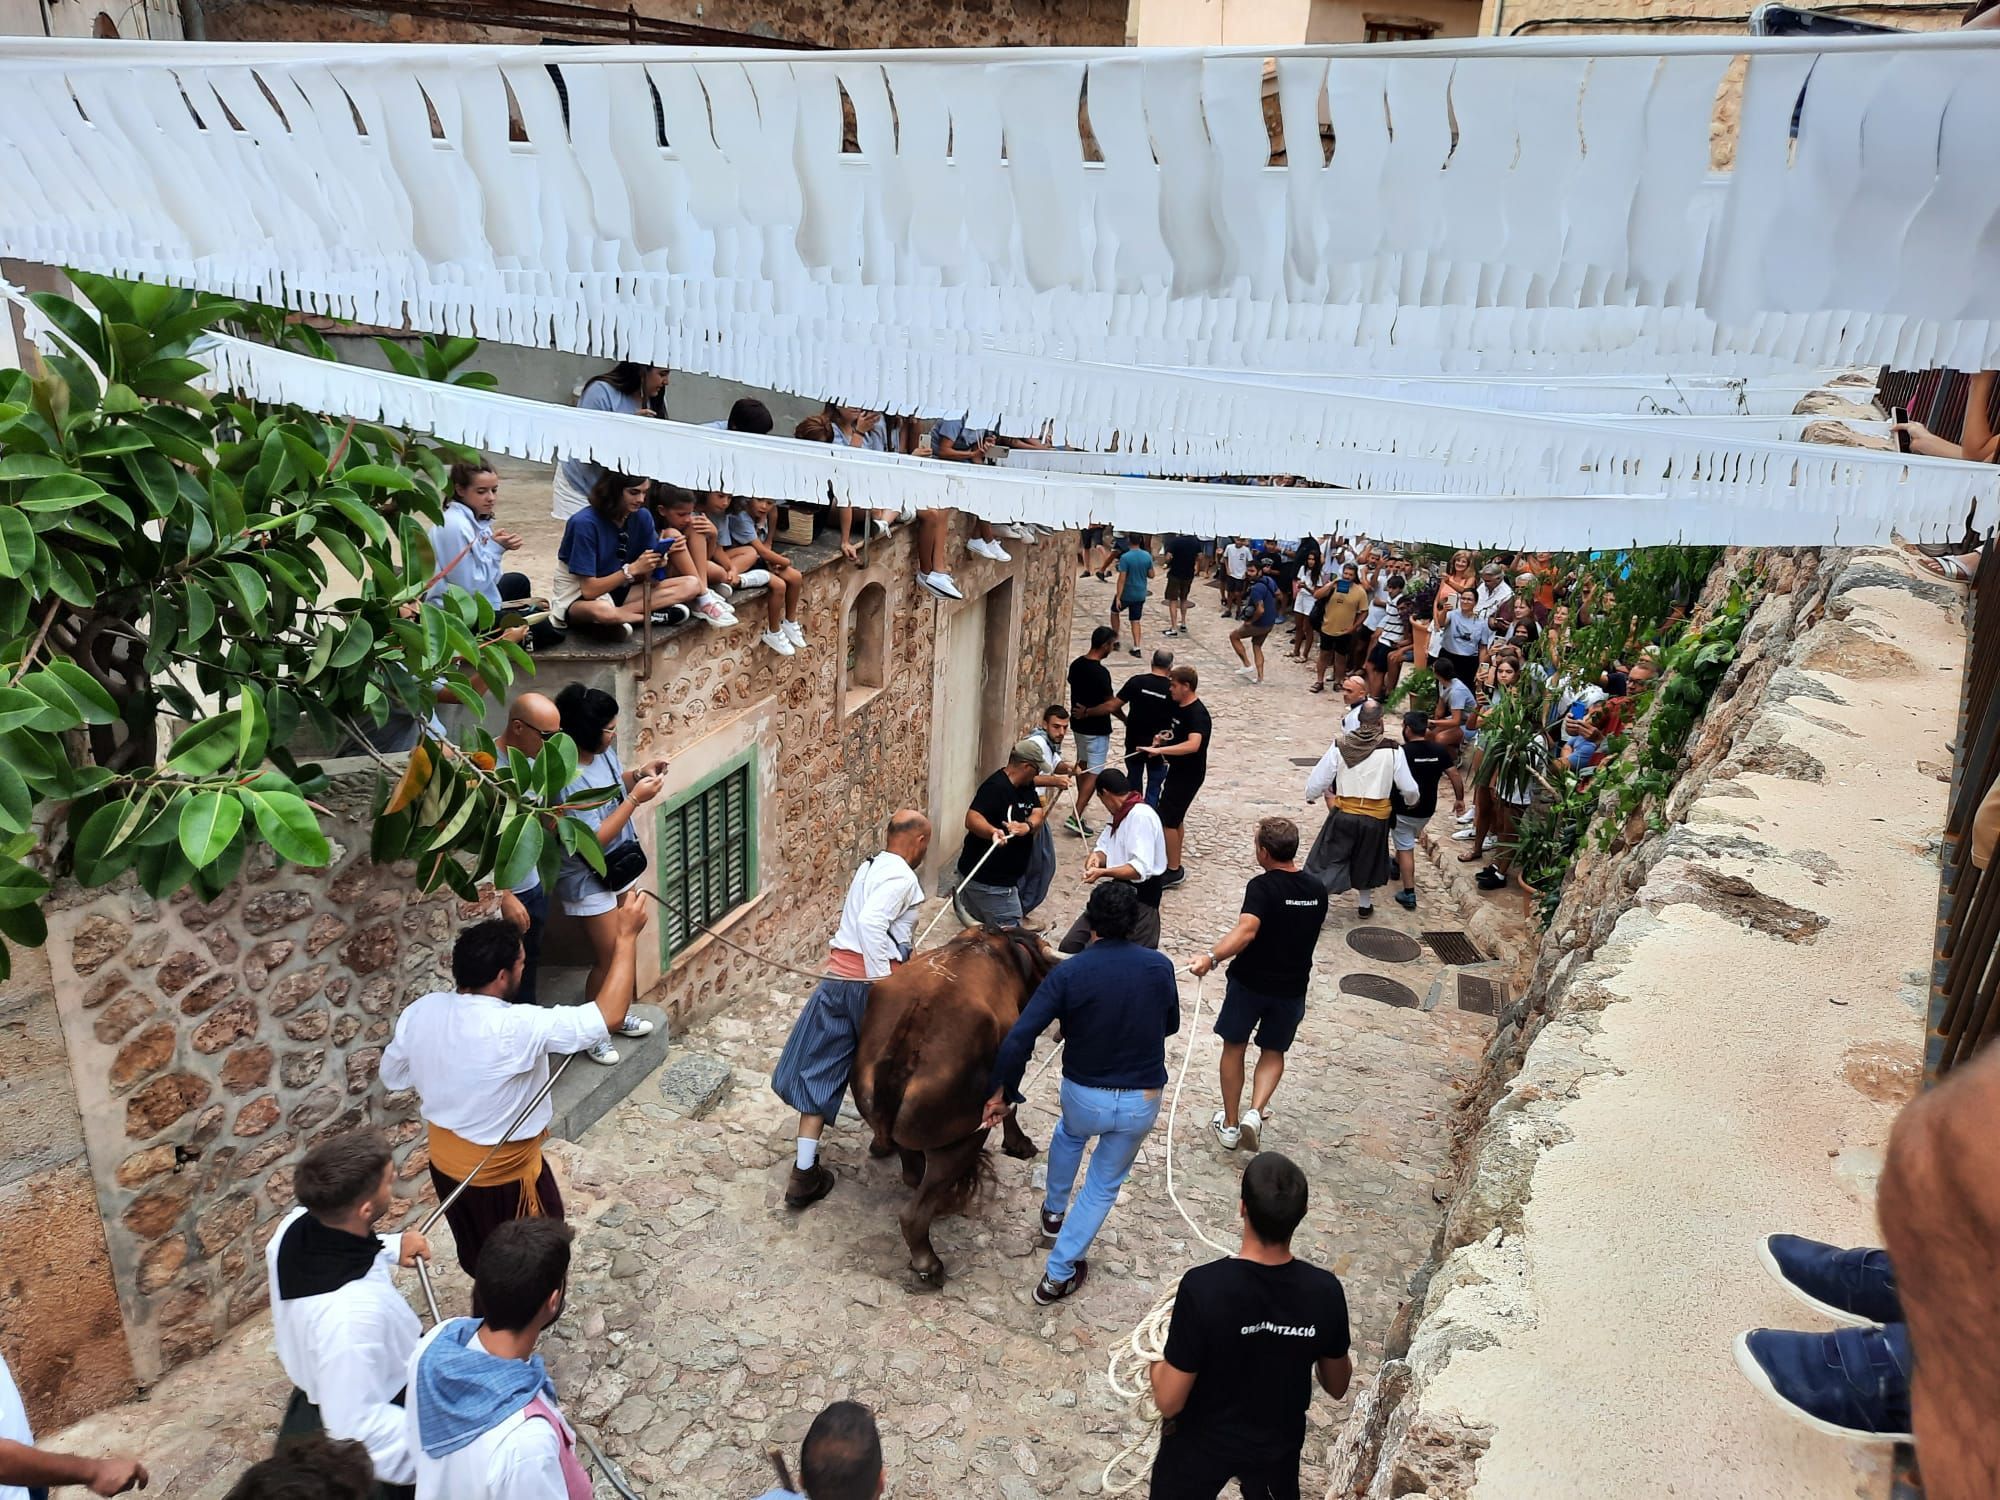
(1454,948)
(1481,996)
(1308,761)
(1379,987)
(1384,943)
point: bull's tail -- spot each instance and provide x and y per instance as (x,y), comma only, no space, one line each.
(957,1196)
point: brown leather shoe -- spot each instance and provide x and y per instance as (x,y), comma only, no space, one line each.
(806,1187)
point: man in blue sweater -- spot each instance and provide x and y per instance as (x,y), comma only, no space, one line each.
(1118,1003)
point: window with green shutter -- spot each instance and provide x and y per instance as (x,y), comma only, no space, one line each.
(707,850)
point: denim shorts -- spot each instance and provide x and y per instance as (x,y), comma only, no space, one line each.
(1095,750)
(1403,833)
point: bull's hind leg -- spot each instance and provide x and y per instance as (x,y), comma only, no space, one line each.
(913,1169)
(949,1173)
(1014,1140)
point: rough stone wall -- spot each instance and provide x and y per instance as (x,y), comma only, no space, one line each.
(1393,1443)
(927,23)
(210,1044)
(1509,17)
(59,1324)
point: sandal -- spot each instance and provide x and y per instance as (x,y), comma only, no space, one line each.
(1947,567)
(1319,687)
(1466,859)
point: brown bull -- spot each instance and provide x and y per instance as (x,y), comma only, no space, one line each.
(923,1063)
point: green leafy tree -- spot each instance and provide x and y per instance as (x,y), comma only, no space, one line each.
(195,591)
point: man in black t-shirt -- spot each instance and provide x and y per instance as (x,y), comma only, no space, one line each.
(1183,552)
(1091,705)
(1183,748)
(1148,702)
(1004,815)
(1249,1335)
(1427,763)
(1272,944)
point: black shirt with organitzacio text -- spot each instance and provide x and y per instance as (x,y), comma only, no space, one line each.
(1251,1336)
(1290,908)
(1148,708)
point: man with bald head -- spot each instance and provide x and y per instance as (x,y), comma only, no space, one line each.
(877,923)
(531,719)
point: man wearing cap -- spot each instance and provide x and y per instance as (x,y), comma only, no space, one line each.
(999,832)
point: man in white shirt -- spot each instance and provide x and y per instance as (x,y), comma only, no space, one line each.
(877,922)
(22,1464)
(1235,570)
(483,1420)
(1355,777)
(476,1059)
(344,1334)
(1132,847)
(1494,591)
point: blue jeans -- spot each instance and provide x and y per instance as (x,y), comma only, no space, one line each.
(1120,1119)
(1156,779)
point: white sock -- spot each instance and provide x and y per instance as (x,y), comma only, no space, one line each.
(808,1153)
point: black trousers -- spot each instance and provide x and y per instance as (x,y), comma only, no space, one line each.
(536,903)
(1186,1470)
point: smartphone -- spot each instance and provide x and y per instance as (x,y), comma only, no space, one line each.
(1343,586)
(1900,415)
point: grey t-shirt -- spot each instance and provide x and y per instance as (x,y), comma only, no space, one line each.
(576,879)
(599,395)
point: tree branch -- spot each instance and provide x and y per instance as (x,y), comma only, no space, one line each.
(35,646)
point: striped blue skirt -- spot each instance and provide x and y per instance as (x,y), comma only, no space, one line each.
(812,1071)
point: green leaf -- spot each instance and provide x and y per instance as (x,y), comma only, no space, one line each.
(17,543)
(31,466)
(288,826)
(520,850)
(19,706)
(200,610)
(206,746)
(253,731)
(70,579)
(154,476)
(107,442)
(355,643)
(400,359)
(60,492)
(163,869)
(17,806)
(19,885)
(455,825)
(60,710)
(93,701)
(207,825)
(557,766)
(379,476)
(106,834)
(361,514)
(25,925)
(75,324)
(161,377)
(250,585)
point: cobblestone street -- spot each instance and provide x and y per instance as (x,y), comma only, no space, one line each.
(707,1322)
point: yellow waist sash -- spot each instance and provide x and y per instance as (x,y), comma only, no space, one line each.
(514,1161)
(1364,807)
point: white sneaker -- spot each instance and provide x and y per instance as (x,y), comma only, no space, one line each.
(998,553)
(794,634)
(779,642)
(756,578)
(1229,1135)
(1467,816)
(980,547)
(714,611)
(1249,672)
(1019,531)
(1250,1129)
(881,526)
(1464,833)
(604,1053)
(634,1026)
(723,592)
(940,584)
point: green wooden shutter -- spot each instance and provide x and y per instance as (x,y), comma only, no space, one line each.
(707,849)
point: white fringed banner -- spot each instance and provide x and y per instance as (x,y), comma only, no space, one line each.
(1518,205)
(1709,511)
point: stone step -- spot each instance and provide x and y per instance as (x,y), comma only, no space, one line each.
(589,1091)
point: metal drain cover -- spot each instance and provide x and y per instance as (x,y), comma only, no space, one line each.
(1308,761)
(1379,987)
(1385,944)
(1480,996)
(1454,948)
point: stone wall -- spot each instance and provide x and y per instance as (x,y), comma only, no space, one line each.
(210,1044)
(1712,871)
(1666,17)
(927,23)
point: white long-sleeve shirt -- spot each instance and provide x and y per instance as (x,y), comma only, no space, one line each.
(1371,779)
(349,1351)
(13,1424)
(520,1459)
(475,1060)
(1139,841)
(879,916)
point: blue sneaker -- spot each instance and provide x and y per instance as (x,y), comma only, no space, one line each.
(1854,1383)
(1857,1287)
